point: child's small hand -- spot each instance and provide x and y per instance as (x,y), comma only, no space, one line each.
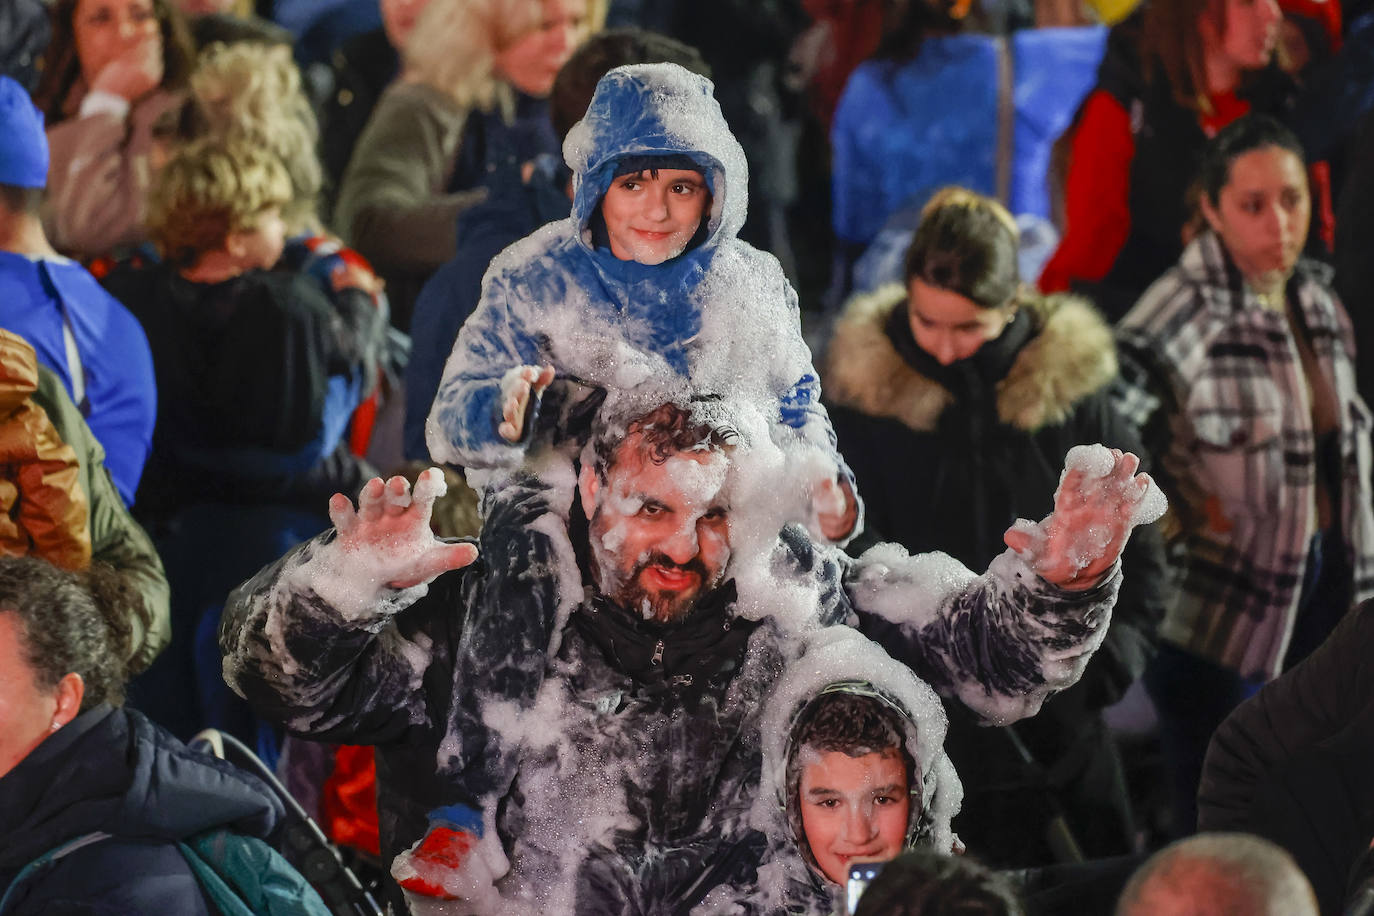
(516,388)
(838,509)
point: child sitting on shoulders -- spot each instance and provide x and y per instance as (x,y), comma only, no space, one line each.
(645,284)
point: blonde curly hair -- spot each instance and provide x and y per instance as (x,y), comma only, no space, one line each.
(251,93)
(209,189)
(454,44)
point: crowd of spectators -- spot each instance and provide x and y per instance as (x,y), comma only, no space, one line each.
(239,241)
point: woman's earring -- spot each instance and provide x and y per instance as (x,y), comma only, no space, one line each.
(1009,313)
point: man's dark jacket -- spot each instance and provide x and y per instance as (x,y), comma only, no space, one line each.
(1293,762)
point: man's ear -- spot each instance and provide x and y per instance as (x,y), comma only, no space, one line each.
(587,487)
(70,691)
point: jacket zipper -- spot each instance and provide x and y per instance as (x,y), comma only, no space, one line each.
(658,653)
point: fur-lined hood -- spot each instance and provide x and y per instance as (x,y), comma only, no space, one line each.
(1071,356)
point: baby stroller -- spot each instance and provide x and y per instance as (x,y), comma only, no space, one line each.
(301,841)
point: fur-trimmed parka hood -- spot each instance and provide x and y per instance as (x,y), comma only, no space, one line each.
(1069,356)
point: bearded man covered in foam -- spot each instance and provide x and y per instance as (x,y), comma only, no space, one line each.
(620,774)
(646,283)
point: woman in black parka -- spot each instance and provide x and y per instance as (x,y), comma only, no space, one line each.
(955,399)
(96,802)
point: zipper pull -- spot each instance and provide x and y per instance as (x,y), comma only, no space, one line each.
(658,653)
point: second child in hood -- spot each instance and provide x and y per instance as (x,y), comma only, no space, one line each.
(853,770)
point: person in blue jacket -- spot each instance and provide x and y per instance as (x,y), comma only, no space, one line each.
(516,206)
(94,798)
(80,332)
(646,287)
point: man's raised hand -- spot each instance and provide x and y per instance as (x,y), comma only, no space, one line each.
(517,386)
(1100,500)
(391,527)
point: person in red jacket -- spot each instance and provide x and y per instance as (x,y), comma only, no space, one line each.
(1172,77)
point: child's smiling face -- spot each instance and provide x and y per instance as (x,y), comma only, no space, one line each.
(651,216)
(854,809)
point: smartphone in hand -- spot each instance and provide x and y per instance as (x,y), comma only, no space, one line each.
(861,874)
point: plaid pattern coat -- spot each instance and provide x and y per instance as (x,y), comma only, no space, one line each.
(1216,383)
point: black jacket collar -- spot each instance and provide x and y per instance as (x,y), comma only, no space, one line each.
(112,770)
(687,657)
(984,369)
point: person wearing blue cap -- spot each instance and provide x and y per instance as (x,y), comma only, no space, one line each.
(80,332)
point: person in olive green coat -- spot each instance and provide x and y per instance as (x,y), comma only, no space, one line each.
(116,539)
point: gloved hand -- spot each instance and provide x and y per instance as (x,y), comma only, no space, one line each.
(435,866)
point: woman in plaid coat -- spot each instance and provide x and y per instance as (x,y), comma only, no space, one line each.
(1241,369)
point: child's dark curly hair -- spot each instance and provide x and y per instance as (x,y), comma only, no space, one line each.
(851,723)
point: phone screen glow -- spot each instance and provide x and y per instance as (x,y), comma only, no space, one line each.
(860,874)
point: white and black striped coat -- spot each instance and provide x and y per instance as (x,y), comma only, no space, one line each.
(1215,380)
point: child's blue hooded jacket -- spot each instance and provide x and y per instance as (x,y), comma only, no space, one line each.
(719,319)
